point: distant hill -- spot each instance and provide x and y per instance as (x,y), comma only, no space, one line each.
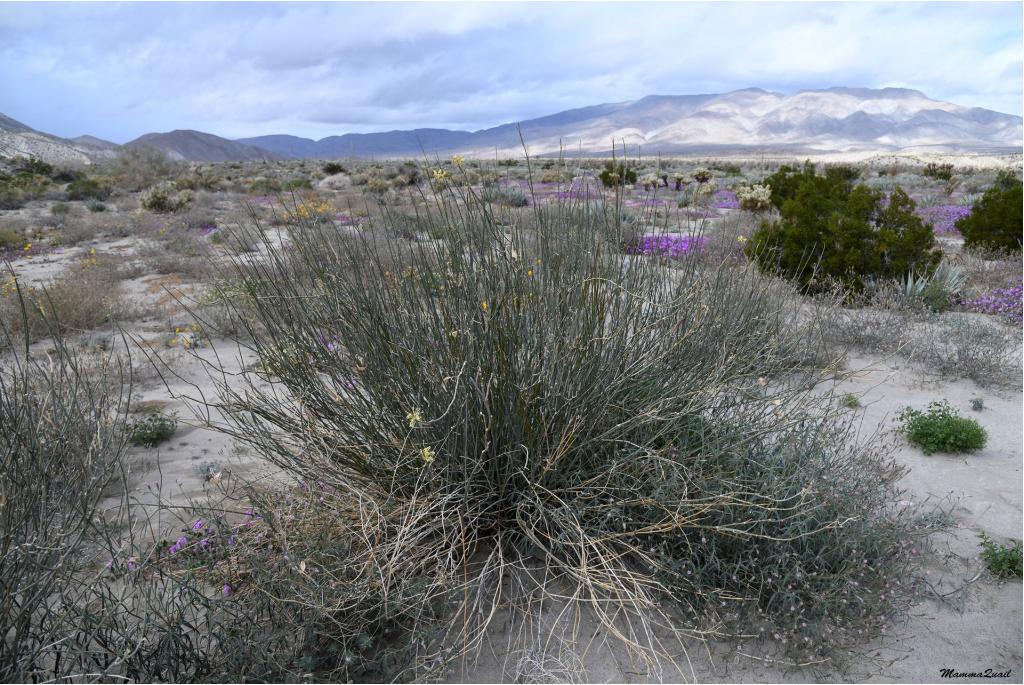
(20,140)
(829,120)
(197,146)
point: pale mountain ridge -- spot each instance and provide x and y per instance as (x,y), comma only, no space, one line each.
(830,120)
(833,120)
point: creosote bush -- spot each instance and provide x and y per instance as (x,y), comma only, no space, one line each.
(996,220)
(830,230)
(516,409)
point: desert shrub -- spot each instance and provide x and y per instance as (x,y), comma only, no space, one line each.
(522,399)
(152,429)
(619,174)
(827,231)
(997,219)
(956,345)
(95,206)
(332,168)
(88,189)
(941,429)
(60,209)
(87,296)
(943,172)
(17,189)
(61,445)
(511,196)
(1002,561)
(139,168)
(10,239)
(165,201)
(298,184)
(33,165)
(757,198)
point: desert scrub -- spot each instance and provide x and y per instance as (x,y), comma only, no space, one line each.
(152,429)
(85,297)
(941,429)
(61,447)
(1002,561)
(515,399)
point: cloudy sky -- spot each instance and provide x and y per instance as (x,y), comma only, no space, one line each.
(120,70)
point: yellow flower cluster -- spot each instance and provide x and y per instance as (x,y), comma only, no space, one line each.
(309,208)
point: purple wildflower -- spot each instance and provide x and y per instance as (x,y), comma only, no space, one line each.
(668,245)
(1005,302)
(725,199)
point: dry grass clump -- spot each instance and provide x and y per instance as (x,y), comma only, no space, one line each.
(86,297)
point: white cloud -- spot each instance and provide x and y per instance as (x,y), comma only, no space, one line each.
(119,70)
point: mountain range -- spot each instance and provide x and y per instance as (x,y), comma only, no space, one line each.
(748,120)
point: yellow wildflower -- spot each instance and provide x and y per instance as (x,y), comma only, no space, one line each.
(483,305)
(741,239)
(458,161)
(28,246)
(427,455)
(414,417)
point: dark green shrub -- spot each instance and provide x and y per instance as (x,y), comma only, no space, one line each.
(88,189)
(60,209)
(332,168)
(997,220)
(941,429)
(152,429)
(162,201)
(943,172)
(95,206)
(829,231)
(617,175)
(1003,561)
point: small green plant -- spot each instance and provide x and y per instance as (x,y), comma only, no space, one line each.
(941,429)
(60,209)
(1003,561)
(152,429)
(332,168)
(977,404)
(851,401)
(95,206)
(161,201)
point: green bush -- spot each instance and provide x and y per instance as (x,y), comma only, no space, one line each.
(1003,561)
(163,201)
(997,219)
(941,429)
(152,429)
(617,175)
(829,231)
(88,189)
(332,168)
